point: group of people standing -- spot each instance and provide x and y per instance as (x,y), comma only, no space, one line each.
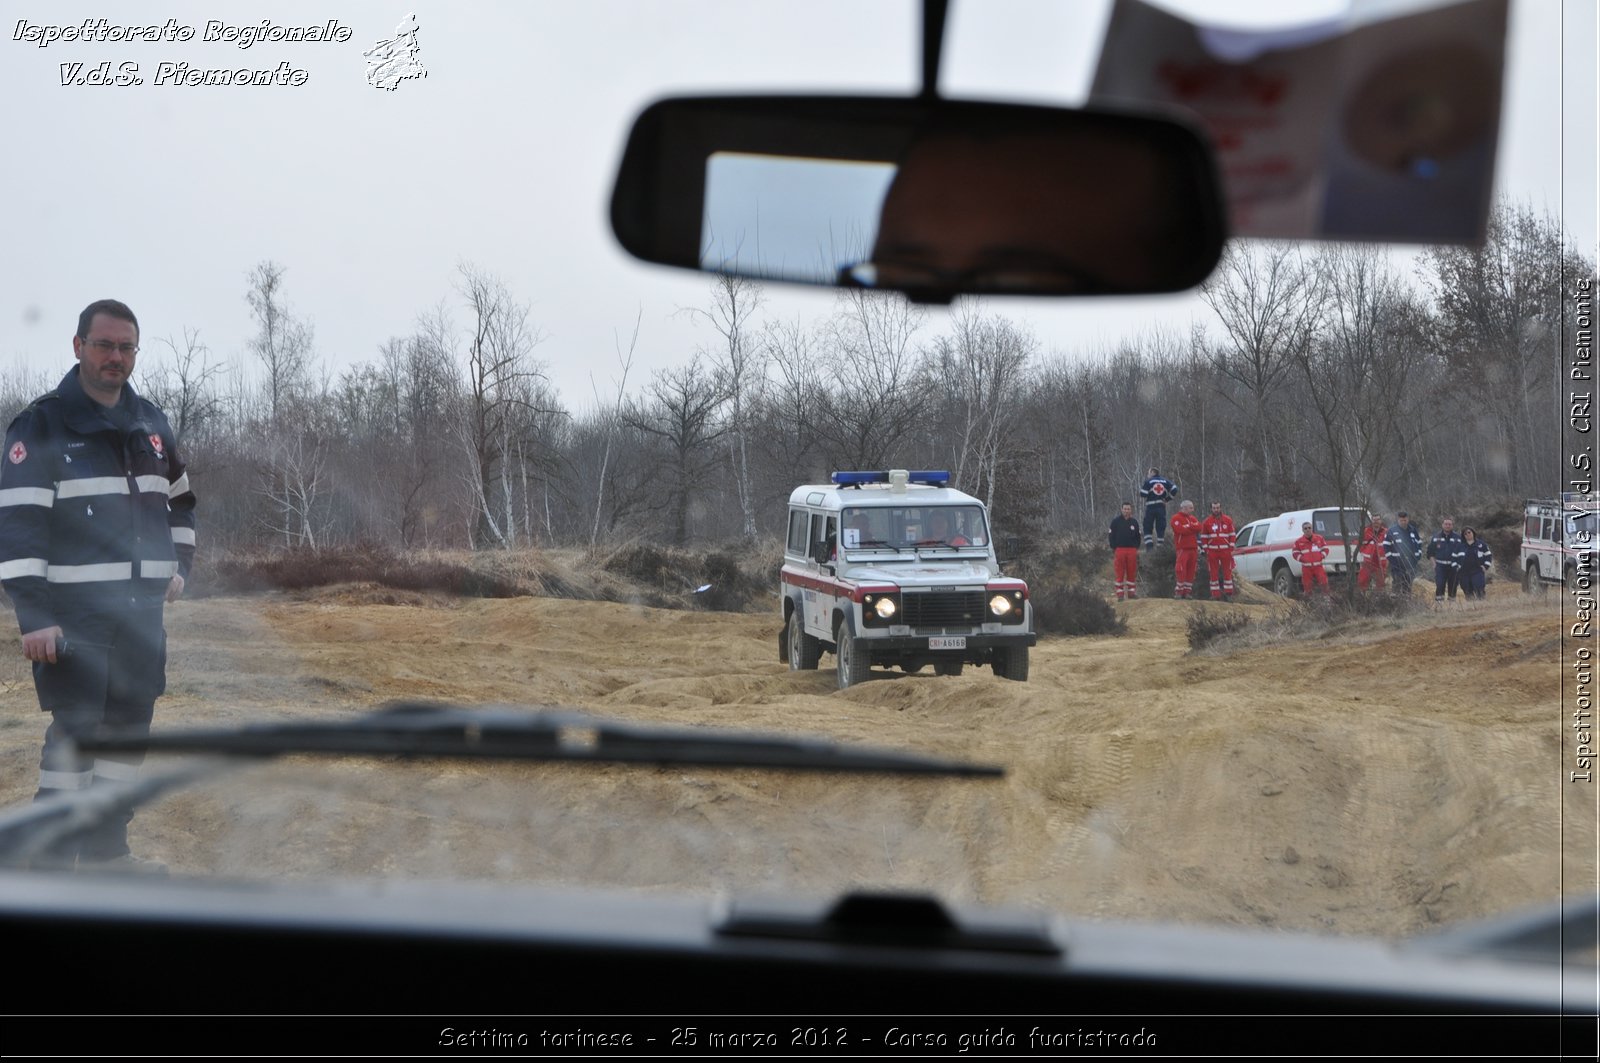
(1190,536)
(1460,561)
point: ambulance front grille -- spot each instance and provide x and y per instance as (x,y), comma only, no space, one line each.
(944,609)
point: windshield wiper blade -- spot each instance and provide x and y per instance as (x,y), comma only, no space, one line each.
(422,729)
(29,832)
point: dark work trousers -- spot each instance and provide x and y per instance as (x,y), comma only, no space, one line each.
(1155,516)
(1402,574)
(112,673)
(1444,577)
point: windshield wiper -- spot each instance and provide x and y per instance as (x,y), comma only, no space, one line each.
(29,833)
(875,544)
(423,729)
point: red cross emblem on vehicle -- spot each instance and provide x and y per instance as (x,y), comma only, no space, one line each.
(19,453)
(155,441)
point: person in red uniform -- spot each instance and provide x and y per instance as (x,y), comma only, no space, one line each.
(940,530)
(1311,550)
(1186,541)
(1216,539)
(1374,554)
(1125,542)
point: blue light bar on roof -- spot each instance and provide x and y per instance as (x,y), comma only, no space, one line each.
(931,477)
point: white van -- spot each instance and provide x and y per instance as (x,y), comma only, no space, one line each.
(1262,548)
(1558,536)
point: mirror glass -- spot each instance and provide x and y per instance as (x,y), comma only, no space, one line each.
(930,198)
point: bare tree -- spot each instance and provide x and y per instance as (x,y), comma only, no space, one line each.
(794,402)
(610,421)
(741,361)
(877,401)
(1357,374)
(499,374)
(185,384)
(1265,298)
(682,409)
(980,367)
(296,487)
(283,343)
(1500,310)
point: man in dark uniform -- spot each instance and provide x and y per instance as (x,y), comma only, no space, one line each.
(1157,491)
(1124,539)
(1403,549)
(96,535)
(1445,550)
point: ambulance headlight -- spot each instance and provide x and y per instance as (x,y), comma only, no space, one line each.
(1008,606)
(880,608)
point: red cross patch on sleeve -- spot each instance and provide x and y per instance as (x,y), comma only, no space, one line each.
(19,453)
(155,441)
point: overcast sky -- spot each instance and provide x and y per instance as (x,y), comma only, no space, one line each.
(166,196)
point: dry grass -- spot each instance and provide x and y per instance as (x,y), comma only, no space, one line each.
(637,573)
(1358,620)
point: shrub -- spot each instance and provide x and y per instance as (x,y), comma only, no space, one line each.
(1064,610)
(1207,626)
(1067,583)
(363,563)
(731,589)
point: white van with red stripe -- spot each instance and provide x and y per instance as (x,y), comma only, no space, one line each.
(1559,539)
(1263,549)
(894,568)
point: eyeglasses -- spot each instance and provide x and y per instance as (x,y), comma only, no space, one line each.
(106,346)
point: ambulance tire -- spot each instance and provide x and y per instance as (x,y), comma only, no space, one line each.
(1283,582)
(947,667)
(1011,662)
(804,650)
(852,659)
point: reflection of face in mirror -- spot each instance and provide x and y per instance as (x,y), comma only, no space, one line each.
(1063,210)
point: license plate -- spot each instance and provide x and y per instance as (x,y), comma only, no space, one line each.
(947,642)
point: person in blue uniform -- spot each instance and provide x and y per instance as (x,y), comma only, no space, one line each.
(1475,559)
(1403,549)
(1445,550)
(1157,491)
(97,534)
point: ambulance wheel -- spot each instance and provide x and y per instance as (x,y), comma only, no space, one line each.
(1283,582)
(852,658)
(1531,583)
(946,667)
(804,651)
(1011,662)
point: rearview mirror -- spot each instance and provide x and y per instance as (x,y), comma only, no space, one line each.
(928,197)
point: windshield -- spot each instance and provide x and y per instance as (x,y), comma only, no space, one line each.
(914,526)
(447,442)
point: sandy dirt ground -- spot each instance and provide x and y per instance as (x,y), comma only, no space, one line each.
(1381,784)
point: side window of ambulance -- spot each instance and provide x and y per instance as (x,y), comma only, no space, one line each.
(797,531)
(821,528)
